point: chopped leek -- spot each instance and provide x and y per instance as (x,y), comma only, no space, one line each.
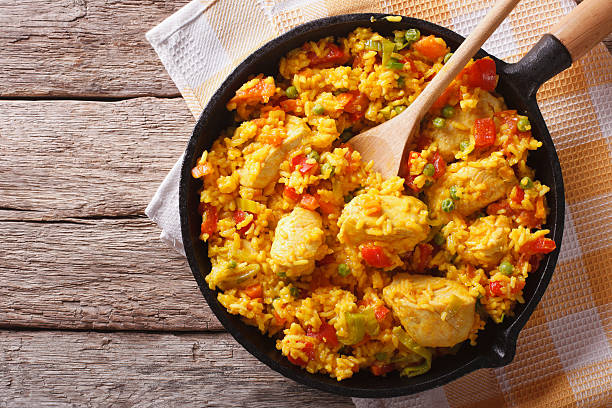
(360,324)
(387,49)
(373,45)
(412,346)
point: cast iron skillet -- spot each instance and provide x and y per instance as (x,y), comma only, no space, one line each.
(497,343)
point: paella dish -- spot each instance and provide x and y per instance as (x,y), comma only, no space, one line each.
(349,271)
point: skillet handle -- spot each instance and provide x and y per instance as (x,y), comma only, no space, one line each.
(584,27)
(570,38)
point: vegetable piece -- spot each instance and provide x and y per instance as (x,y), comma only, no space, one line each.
(399,109)
(291,194)
(439,239)
(357,106)
(395,64)
(453,190)
(373,45)
(260,92)
(382,356)
(210,218)
(464,145)
(309,202)
(334,56)
(430,47)
(496,288)
(412,35)
(401,81)
(438,122)
(327,169)
(412,346)
(344,270)
(387,49)
(539,245)
(318,109)
(248,205)
(294,291)
(327,207)
(348,198)
(314,155)
(308,349)
(360,324)
(240,216)
(526,183)
(523,124)
(429,170)
(232,264)
(291,92)
(506,268)
(326,333)
(447,57)
(448,111)
(302,161)
(291,105)
(254,291)
(448,205)
(375,256)
(484,132)
(381,313)
(201,170)
(381,369)
(481,74)
(439,166)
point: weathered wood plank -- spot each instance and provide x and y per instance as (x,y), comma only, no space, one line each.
(81,158)
(110,274)
(93,48)
(67,369)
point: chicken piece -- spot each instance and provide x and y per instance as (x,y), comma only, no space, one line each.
(457,128)
(480,183)
(403,226)
(435,312)
(261,166)
(487,241)
(297,240)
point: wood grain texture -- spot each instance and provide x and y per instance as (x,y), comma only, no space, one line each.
(107,274)
(82,158)
(67,369)
(82,48)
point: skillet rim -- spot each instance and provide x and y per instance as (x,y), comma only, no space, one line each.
(498,356)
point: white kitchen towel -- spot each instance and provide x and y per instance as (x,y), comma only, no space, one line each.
(563,356)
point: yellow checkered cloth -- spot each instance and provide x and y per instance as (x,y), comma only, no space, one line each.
(564,353)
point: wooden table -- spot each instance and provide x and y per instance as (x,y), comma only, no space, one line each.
(94,309)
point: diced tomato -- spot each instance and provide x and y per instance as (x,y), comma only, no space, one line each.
(359,61)
(375,256)
(538,246)
(327,207)
(201,170)
(209,223)
(305,167)
(357,106)
(481,74)
(308,349)
(425,251)
(326,333)
(381,312)
(260,92)
(240,216)
(529,219)
(345,98)
(333,56)
(497,207)
(517,195)
(291,194)
(439,166)
(510,118)
(484,132)
(496,288)
(309,202)
(254,291)
(291,105)
(413,67)
(450,92)
(353,165)
(281,321)
(431,47)
(379,369)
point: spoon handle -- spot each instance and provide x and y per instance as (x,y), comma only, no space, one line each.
(462,56)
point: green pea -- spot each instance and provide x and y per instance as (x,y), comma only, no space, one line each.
(282,274)
(429,170)
(506,268)
(314,155)
(348,198)
(439,239)
(448,205)
(447,57)
(291,92)
(448,111)
(439,122)
(453,190)
(464,145)
(381,356)
(318,109)
(428,183)
(526,183)
(295,292)
(346,135)
(412,35)
(327,168)
(232,264)
(399,109)
(401,81)
(344,270)
(523,124)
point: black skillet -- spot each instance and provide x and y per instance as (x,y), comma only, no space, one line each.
(518,84)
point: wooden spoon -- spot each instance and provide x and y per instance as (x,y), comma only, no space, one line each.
(385,143)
